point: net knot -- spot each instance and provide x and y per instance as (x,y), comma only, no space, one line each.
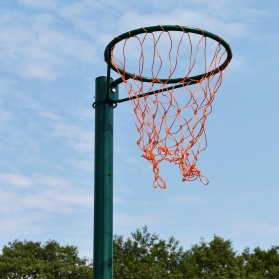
(163,149)
(162,28)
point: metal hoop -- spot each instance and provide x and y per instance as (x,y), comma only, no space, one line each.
(165,28)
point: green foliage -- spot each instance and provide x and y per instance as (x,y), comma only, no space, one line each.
(143,255)
(260,263)
(146,256)
(216,259)
(30,260)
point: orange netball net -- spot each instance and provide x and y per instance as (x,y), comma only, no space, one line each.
(171,99)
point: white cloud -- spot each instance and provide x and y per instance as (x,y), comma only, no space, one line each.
(254,15)
(80,9)
(51,181)
(186,17)
(57,200)
(257,227)
(131,161)
(86,143)
(38,195)
(78,139)
(6,84)
(19,223)
(65,130)
(117,199)
(188,200)
(49,115)
(36,47)
(81,164)
(15,180)
(239,64)
(4,117)
(39,4)
(132,221)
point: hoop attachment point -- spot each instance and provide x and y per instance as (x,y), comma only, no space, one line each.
(109,96)
(114,103)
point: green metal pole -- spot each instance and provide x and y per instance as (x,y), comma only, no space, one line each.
(103,182)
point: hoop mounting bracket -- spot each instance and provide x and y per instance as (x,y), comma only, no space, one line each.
(109,96)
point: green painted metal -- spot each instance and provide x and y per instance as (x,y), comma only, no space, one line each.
(103,180)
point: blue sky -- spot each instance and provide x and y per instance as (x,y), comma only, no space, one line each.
(50,54)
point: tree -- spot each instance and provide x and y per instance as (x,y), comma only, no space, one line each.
(260,263)
(31,260)
(216,259)
(143,255)
(146,256)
